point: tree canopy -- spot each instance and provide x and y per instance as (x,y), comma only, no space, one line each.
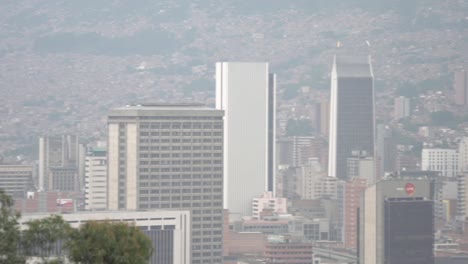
(107,242)
(9,231)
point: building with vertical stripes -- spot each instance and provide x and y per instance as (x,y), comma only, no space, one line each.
(246,92)
(170,156)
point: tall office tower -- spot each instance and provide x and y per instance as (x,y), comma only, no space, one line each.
(442,160)
(396,223)
(59,162)
(17,180)
(401,108)
(246,92)
(351,111)
(170,156)
(96,179)
(323,117)
(461,87)
(386,151)
(361,166)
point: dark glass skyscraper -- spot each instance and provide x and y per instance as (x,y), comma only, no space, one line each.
(351,112)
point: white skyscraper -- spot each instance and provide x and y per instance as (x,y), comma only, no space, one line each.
(246,92)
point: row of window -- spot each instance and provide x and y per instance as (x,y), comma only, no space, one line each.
(183,198)
(183,169)
(177,205)
(196,190)
(145,140)
(178,147)
(177,133)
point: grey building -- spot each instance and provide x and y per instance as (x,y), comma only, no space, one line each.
(170,156)
(396,223)
(351,111)
(60,163)
(16,180)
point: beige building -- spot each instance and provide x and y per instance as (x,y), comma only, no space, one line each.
(170,156)
(96,179)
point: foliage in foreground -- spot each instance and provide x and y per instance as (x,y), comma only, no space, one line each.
(105,242)
(94,242)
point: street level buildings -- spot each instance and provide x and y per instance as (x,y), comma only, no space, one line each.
(170,156)
(351,112)
(246,92)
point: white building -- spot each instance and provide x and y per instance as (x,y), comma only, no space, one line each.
(442,160)
(268,201)
(167,230)
(401,107)
(245,91)
(96,179)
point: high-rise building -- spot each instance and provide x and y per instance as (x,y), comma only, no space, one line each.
(96,179)
(170,156)
(351,112)
(167,230)
(401,107)
(59,163)
(246,92)
(396,223)
(461,87)
(442,160)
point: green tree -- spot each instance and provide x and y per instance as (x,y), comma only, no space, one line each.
(42,235)
(9,231)
(106,242)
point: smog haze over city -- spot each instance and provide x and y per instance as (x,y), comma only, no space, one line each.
(299,117)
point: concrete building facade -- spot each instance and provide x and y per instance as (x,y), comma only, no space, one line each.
(170,156)
(441,160)
(17,180)
(60,163)
(96,179)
